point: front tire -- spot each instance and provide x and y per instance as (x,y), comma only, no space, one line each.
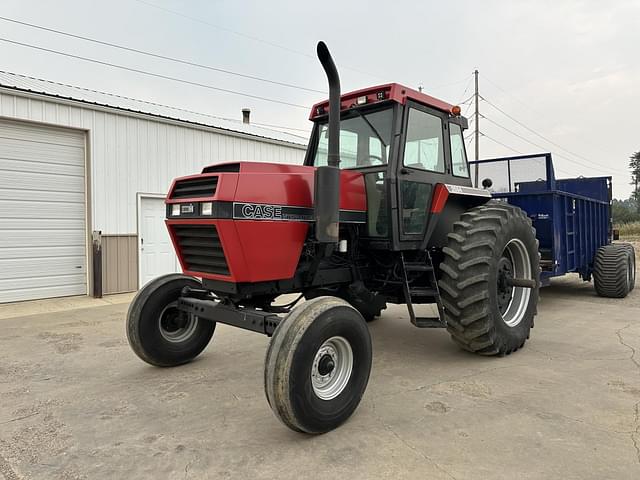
(317,365)
(490,244)
(158,332)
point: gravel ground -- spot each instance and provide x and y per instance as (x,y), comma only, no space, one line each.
(75,403)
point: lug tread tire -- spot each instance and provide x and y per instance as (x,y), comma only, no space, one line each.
(145,343)
(611,271)
(473,318)
(279,382)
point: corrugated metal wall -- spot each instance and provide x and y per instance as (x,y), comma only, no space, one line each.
(133,153)
(129,154)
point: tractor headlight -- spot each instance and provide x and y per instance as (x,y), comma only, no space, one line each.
(206,208)
(175,210)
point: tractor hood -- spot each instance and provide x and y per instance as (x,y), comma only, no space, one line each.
(269,184)
(248,221)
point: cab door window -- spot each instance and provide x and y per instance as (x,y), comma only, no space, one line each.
(423,147)
(423,156)
(459,164)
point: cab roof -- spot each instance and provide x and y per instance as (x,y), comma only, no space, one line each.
(389,91)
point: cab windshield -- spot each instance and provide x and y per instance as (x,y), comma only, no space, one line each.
(364,139)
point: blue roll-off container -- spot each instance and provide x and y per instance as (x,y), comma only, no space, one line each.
(572,216)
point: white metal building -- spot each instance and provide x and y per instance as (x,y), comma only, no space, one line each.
(76,161)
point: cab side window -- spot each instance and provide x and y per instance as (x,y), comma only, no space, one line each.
(423,145)
(458,154)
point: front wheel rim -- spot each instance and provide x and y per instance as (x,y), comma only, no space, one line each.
(173,326)
(331,368)
(520,262)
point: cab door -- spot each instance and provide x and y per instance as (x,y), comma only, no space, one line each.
(421,164)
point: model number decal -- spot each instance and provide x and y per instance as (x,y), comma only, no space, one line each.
(259,211)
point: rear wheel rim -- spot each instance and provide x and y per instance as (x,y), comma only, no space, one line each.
(517,261)
(331,368)
(174,326)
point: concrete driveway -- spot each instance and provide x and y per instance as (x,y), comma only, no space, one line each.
(76,403)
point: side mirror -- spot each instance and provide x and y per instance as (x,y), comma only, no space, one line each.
(487,183)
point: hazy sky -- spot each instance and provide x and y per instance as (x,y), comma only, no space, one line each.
(567,69)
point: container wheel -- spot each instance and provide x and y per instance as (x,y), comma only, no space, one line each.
(317,365)
(158,332)
(632,254)
(614,271)
(490,279)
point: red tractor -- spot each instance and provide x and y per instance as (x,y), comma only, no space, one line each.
(382,211)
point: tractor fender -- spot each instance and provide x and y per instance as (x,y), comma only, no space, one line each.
(448,204)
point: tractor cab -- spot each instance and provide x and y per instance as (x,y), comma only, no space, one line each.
(405,143)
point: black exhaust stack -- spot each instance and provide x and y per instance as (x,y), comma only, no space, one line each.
(327,179)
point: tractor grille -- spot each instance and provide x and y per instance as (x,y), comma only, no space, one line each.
(201,248)
(195,187)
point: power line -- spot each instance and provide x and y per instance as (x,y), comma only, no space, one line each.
(466,110)
(477,97)
(438,87)
(513,133)
(516,151)
(35,80)
(466,89)
(124,97)
(601,169)
(157,55)
(225,29)
(542,147)
(306,130)
(537,145)
(500,143)
(522,102)
(241,34)
(544,138)
(151,74)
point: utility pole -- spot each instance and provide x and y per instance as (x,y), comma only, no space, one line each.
(477,129)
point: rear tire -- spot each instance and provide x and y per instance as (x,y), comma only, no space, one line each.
(317,365)
(632,254)
(613,271)
(483,315)
(157,332)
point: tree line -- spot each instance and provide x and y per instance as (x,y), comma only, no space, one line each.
(627,211)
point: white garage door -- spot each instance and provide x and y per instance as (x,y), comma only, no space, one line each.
(42,212)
